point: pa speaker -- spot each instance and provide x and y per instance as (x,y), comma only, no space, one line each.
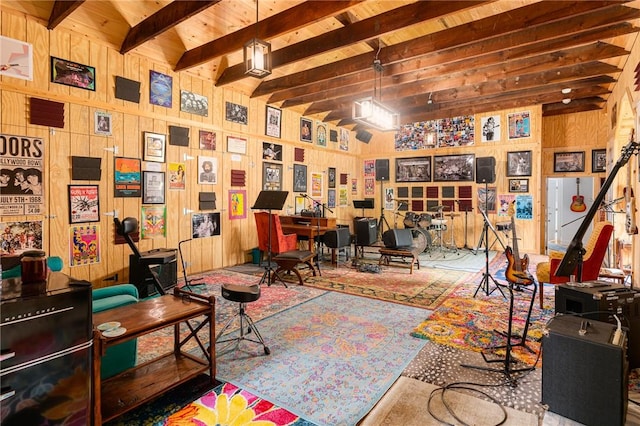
(397,238)
(366,231)
(363,136)
(485,170)
(337,238)
(382,169)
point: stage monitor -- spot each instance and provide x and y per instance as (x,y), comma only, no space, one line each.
(397,238)
(367,203)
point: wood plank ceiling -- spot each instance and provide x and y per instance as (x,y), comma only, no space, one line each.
(439,58)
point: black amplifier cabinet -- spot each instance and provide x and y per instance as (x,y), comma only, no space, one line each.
(366,230)
(585,376)
(165,263)
(600,300)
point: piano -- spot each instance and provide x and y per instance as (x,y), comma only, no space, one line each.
(307,226)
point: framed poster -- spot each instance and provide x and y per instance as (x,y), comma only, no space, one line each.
(207,140)
(568,162)
(102,122)
(236,145)
(16,58)
(160,89)
(154,147)
(598,160)
(237,204)
(451,168)
(305,130)
(519,125)
(271,176)
(177,176)
(273,122)
(127,181)
(299,204)
(154,222)
(84,203)
(518,185)
(519,163)
(331,177)
(236,113)
(271,151)
(209,170)
(152,187)
(299,178)
(415,169)
(321,133)
(73,74)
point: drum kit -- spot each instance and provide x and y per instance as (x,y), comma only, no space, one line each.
(428,229)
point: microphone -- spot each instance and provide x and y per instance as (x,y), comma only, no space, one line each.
(304,195)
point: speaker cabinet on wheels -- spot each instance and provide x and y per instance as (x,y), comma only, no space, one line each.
(584,375)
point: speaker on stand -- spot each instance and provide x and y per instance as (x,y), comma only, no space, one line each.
(382,169)
(485,170)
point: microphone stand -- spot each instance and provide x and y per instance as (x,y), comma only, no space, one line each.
(317,218)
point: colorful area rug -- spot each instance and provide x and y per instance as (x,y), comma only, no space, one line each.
(330,357)
(227,404)
(425,288)
(461,260)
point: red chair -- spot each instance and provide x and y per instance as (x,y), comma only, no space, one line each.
(595,249)
(280,242)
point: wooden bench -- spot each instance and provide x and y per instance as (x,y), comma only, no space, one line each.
(289,260)
(410,253)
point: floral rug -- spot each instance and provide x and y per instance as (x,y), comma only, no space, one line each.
(330,358)
(227,404)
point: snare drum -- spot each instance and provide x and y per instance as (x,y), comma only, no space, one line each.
(439,224)
(410,220)
(424,221)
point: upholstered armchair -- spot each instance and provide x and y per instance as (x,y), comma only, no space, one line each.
(280,242)
(595,249)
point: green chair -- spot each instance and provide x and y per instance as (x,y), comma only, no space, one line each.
(123,356)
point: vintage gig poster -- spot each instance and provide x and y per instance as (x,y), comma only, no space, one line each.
(84,245)
(21,171)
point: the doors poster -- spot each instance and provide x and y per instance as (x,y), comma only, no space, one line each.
(21,165)
(18,237)
(84,245)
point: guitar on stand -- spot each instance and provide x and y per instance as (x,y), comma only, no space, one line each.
(577,203)
(517,268)
(630,202)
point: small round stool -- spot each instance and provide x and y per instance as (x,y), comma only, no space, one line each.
(242,294)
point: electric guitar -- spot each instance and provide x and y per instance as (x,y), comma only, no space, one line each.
(517,268)
(577,204)
(630,223)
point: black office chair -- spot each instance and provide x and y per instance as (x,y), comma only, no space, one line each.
(242,295)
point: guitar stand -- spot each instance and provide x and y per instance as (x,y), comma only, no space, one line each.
(486,276)
(507,362)
(522,337)
(187,282)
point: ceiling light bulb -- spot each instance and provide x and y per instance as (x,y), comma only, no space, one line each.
(566,90)
(566,101)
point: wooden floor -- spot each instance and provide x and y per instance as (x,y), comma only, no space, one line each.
(633,415)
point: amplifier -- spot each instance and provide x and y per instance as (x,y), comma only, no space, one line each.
(366,231)
(584,376)
(600,300)
(165,264)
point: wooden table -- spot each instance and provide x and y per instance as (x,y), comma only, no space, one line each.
(309,231)
(132,388)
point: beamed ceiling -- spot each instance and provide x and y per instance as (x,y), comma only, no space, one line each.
(440,58)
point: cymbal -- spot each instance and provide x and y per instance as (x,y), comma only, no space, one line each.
(440,207)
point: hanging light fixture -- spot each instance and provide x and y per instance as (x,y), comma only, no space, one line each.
(371,111)
(257,55)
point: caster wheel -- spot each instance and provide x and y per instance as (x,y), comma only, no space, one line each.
(267,351)
(248,330)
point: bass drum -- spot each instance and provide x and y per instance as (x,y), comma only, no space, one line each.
(421,239)
(410,220)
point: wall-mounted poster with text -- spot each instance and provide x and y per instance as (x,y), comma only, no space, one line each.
(21,165)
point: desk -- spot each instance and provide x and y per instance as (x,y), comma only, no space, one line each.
(133,387)
(308,231)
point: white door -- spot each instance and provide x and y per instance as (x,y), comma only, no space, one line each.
(562,222)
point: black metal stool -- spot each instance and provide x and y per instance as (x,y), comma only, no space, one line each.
(242,294)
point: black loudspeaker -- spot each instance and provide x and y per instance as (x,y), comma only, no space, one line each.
(366,231)
(584,376)
(397,238)
(337,238)
(485,170)
(382,169)
(363,135)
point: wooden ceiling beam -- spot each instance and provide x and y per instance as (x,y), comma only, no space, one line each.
(469,40)
(367,29)
(282,23)
(163,20)
(579,105)
(61,9)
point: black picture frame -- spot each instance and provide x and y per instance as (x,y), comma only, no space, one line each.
(598,160)
(413,169)
(454,168)
(155,145)
(84,203)
(518,185)
(271,176)
(331,177)
(519,163)
(273,122)
(271,151)
(306,127)
(73,74)
(568,162)
(299,178)
(236,113)
(153,188)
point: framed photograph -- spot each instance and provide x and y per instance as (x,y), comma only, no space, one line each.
(598,160)
(236,145)
(154,147)
(568,162)
(305,130)
(519,163)
(271,176)
(205,225)
(299,178)
(73,74)
(236,113)
(453,168)
(102,123)
(208,167)
(84,203)
(518,185)
(16,58)
(207,140)
(331,177)
(271,151)
(160,89)
(273,122)
(152,187)
(194,103)
(490,128)
(321,133)
(519,125)
(416,169)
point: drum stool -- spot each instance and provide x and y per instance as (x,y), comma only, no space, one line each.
(242,294)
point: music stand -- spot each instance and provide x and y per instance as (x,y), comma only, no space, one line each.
(269,200)
(367,203)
